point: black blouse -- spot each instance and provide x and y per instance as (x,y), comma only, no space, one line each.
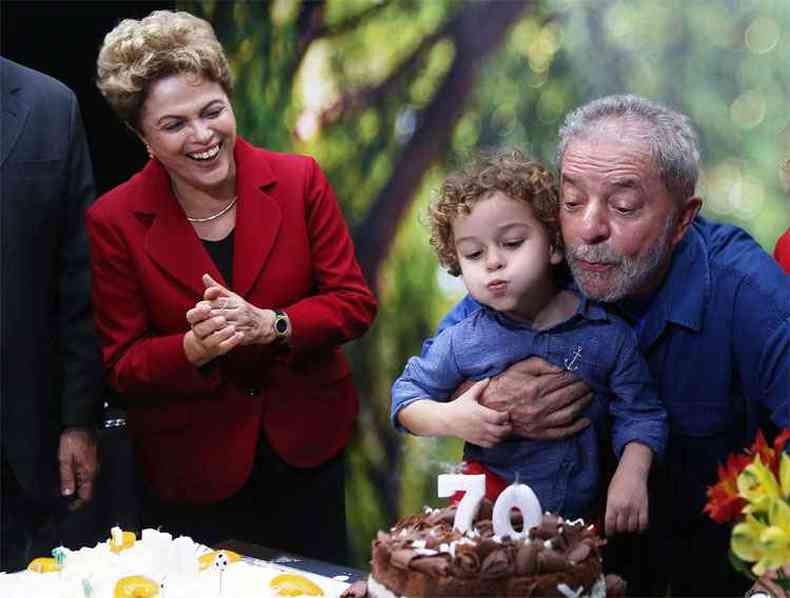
(222,253)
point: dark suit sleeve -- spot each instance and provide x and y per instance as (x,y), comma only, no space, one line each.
(82,372)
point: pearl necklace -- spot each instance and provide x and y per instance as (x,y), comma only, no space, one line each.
(231,203)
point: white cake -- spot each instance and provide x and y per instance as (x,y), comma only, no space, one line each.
(174,565)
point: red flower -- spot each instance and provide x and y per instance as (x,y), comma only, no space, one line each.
(724,504)
(770,456)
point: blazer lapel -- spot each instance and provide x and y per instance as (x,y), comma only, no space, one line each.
(171,241)
(14,111)
(258,218)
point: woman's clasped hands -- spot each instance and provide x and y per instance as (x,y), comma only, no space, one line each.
(223,320)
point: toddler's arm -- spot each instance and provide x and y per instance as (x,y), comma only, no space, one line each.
(464,418)
(626,501)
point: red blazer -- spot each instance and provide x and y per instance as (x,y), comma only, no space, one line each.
(195,431)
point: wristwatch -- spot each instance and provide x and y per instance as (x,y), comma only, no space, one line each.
(282,325)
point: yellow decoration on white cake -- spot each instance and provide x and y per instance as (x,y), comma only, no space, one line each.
(206,560)
(43,564)
(136,586)
(121,540)
(294,585)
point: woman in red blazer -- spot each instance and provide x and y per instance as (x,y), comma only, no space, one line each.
(225,282)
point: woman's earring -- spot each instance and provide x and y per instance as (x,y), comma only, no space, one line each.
(150,152)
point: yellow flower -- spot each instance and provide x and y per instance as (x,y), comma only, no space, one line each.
(779,514)
(765,545)
(745,540)
(758,486)
(784,474)
(776,550)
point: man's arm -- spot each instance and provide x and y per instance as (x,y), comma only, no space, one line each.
(544,402)
(762,352)
(82,371)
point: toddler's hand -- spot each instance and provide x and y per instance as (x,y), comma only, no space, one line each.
(469,420)
(626,503)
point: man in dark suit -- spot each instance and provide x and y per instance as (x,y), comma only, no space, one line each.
(50,372)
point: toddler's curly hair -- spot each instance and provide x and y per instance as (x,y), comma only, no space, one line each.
(515,175)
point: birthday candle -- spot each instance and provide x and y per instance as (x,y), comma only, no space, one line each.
(117,536)
(474,487)
(521,497)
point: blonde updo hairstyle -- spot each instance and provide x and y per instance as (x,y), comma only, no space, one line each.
(137,53)
(511,173)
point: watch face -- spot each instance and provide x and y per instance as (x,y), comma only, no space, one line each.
(281,326)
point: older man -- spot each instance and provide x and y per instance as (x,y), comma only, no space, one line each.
(711,310)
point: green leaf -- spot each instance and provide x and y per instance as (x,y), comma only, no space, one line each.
(741,566)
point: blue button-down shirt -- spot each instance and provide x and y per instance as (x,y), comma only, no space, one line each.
(599,347)
(716,335)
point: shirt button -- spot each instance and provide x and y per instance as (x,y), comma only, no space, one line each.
(252,391)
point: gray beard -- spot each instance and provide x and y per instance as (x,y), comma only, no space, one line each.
(629,274)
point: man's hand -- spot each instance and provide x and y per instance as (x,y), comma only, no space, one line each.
(543,401)
(78,465)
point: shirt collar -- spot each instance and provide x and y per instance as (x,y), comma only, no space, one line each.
(682,297)
(587,309)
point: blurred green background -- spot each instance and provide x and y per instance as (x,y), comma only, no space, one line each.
(390,95)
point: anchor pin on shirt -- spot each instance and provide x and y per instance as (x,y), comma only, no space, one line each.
(571,361)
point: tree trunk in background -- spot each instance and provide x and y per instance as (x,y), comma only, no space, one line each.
(477,31)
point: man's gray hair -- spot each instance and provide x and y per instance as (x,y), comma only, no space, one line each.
(669,135)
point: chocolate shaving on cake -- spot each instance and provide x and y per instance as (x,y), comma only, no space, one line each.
(486,547)
(559,542)
(466,561)
(579,552)
(551,561)
(437,536)
(527,558)
(410,521)
(547,528)
(496,564)
(433,566)
(401,558)
(522,587)
(446,516)
(573,533)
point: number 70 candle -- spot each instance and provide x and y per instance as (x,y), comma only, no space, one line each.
(515,496)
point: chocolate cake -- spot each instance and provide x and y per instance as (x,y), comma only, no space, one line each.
(422,555)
